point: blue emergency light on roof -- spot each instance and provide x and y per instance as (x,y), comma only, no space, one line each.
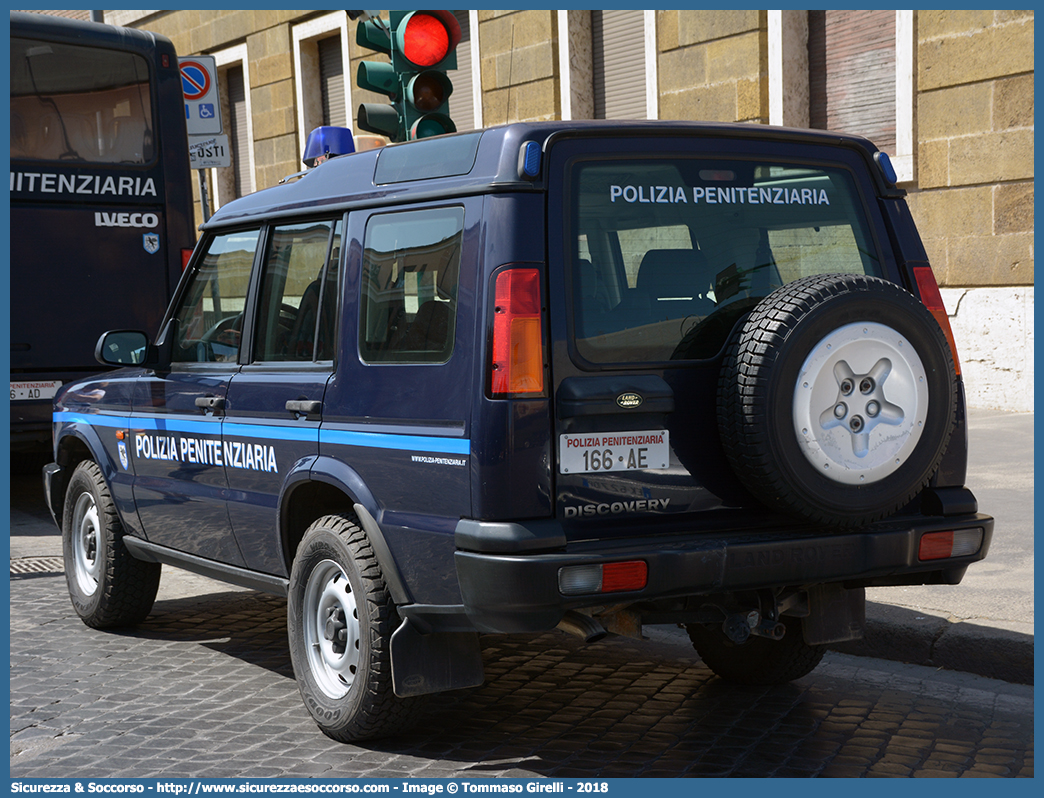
(329,141)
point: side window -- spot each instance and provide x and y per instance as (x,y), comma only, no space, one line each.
(210,318)
(411,264)
(295,284)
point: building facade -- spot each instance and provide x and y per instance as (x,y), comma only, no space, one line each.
(948,94)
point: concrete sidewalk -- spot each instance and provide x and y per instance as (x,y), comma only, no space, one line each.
(982,626)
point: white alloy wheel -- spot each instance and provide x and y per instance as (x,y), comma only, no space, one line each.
(860,403)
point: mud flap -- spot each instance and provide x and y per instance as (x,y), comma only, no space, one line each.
(835,614)
(434,662)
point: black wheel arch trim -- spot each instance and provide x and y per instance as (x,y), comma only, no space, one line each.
(343,477)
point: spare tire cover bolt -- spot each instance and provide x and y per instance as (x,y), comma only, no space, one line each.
(840,410)
(866,385)
(856,423)
(847,386)
(872,409)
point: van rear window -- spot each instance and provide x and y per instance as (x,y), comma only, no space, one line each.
(666,254)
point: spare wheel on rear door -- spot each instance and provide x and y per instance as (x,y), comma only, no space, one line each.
(837,399)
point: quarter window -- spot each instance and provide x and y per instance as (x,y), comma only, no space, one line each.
(411,266)
(210,318)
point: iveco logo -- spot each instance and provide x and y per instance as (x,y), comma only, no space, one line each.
(629,400)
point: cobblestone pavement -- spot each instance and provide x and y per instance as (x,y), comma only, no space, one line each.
(204,689)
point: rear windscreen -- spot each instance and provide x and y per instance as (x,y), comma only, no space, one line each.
(665,255)
(79,104)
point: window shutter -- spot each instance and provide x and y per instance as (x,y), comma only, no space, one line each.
(851,67)
(331,82)
(461,102)
(619,66)
(240,143)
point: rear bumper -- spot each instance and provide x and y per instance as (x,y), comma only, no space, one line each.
(519,592)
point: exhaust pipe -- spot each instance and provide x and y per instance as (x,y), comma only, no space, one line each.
(583,626)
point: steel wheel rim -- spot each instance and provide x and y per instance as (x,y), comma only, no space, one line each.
(86,537)
(331,629)
(860,403)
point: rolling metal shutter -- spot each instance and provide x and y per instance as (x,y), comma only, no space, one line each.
(461,102)
(331,82)
(851,67)
(240,142)
(617,45)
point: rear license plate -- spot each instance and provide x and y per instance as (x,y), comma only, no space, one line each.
(34,389)
(613,451)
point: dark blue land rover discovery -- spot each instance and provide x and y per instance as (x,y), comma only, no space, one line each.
(590,376)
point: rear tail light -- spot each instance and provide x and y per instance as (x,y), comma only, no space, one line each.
(616,577)
(518,348)
(932,299)
(943,545)
(186,256)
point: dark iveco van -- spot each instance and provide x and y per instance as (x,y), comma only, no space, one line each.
(592,376)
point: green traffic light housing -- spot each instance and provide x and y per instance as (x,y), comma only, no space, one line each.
(422,46)
(384,120)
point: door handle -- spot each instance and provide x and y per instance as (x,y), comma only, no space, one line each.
(215,404)
(305,407)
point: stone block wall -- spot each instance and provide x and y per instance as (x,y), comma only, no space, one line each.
(519,66)
(973,199)
(713,65)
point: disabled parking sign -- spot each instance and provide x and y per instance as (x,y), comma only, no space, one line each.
(200,87)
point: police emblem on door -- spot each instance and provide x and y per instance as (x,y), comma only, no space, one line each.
(151,242)
(124,460)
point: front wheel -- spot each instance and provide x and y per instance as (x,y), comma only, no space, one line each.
(759,661)
(108,587)
(340,618)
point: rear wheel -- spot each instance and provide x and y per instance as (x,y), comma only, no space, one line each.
(108,587)
(758,661)
(340,618)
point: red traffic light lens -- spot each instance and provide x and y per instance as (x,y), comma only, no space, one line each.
(425,40)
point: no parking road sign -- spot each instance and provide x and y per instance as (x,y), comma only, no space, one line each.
(199,85)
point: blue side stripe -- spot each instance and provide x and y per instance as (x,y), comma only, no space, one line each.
(380,440)
(372,440)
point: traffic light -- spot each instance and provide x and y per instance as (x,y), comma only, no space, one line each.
(379,77)
(424,49)
(422,46)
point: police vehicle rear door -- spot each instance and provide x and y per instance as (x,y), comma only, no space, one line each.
(657,247)
(275,403)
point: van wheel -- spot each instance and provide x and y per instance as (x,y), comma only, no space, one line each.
(759,661)
(837,398)
(340,618)
(108,587)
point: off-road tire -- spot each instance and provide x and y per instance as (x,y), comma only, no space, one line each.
(759,661)
(346,684)
(781,379)
(108,587)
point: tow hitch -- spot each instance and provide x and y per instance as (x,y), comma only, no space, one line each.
(739,626)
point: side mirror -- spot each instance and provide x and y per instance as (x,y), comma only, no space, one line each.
(122,348)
